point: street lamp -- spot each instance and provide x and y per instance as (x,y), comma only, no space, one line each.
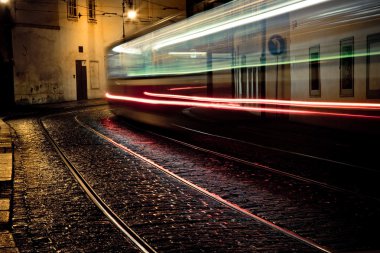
(131,14)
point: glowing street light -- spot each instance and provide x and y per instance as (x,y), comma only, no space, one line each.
(131,14)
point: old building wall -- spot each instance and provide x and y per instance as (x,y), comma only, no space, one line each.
(48,43)
(37,72)
(36,40)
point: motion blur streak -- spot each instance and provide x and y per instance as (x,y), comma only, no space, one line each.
(329,105)
(239,21)
(234,107)
(187,88)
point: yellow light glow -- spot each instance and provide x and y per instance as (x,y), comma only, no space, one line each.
(4,1)
(132,14)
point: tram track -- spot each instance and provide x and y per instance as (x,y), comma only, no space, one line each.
(265,199)
(207,193)
(105,209)
(276,149)
(261,166)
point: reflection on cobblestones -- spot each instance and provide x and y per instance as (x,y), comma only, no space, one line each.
(51,213)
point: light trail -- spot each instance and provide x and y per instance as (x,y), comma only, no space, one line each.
(238,21)
(234,107)
(188,88)
(313,104)
(201,69)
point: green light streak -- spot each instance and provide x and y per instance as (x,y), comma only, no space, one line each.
(148,73)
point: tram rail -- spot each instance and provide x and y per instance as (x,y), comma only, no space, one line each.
(209,194)
(142,245)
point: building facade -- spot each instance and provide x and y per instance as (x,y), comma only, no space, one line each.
(58,47)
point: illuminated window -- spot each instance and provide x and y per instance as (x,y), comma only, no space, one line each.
(72,9)
(373,66)
(347,67)
(314,71)
(91,10)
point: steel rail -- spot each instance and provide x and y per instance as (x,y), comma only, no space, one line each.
(205,192)
(263,167)
(278,149)
(259,166)
(106,210)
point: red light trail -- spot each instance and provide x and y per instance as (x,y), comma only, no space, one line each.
(187,88)
(328,105)
(211,103)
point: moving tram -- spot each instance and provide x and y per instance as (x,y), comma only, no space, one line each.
(301,60)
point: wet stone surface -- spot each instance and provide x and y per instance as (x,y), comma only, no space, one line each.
(167,214)
(51,213)
(340,221)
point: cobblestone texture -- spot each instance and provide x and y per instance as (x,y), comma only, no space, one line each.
(51,213)
(338,220)
(169,215)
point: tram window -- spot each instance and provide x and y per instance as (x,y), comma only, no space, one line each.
(347,67)
(373,66)
(314,72)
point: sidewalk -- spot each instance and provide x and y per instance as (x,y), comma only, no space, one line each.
(7,243)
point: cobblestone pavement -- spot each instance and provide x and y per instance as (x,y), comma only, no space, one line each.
(167,214)
(52,214)
(50,211)
(341,221)
(330,156)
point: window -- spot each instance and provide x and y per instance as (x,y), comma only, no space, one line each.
(373,66)
(91,10)
(72,9)
(314,71)
(347,67)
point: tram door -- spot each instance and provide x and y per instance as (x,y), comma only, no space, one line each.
(246,81)
(81,76)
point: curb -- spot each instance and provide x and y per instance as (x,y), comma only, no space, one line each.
(7,243)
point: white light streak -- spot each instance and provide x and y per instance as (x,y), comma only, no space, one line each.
(238,22)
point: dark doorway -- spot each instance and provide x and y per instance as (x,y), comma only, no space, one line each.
(6,62)
(81,74)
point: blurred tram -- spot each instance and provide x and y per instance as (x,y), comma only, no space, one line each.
(315,61)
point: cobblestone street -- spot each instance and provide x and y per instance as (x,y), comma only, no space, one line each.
(51,213)
(189,126)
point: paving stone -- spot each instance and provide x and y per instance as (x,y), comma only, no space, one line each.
(51,212)
(6,147)
(320,214)
(4,211)
(169,215)
(6,164)
(4,204)
(4,217)
(6,240)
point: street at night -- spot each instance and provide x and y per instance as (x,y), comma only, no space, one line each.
(189,126)
(189,189)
